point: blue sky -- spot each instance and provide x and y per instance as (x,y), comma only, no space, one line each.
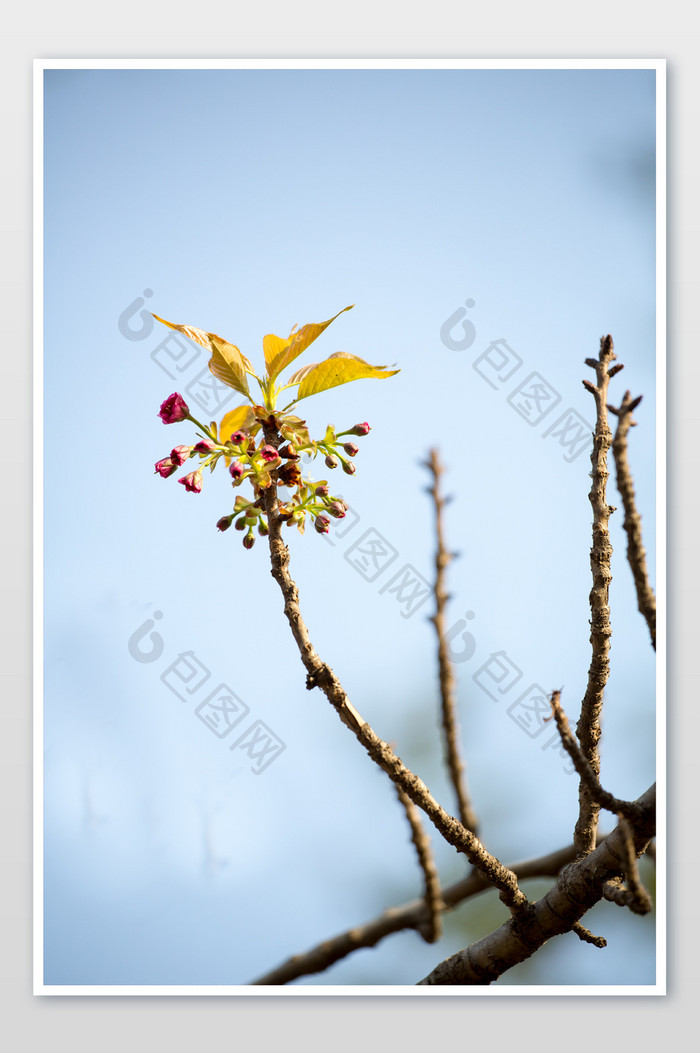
(243,202)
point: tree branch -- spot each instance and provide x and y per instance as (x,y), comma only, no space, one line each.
(450,724)
(579,887)
(636,556)
(431,931)
(588,728)
(409,916)
(319,674)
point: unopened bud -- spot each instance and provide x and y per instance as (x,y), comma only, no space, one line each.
(268,454)
(263,528)
(236,470)
(180,454)
(204,446)
(351,449)
(337,509)
(349,468)
(225,522)
(331,462)
(238,438)
(321,524)
(249,540)
(241,524)
(360,429)
(322,490)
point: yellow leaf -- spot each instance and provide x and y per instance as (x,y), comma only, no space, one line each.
(280,353)
(236,420)
(340,368)
(227,363)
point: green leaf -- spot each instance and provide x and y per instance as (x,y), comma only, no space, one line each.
(340,368)
(280,353)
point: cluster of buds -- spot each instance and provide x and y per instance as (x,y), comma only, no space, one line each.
(250,457)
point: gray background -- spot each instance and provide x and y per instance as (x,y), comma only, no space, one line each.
(183,1024)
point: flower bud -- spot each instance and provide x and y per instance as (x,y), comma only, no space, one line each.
(180,454)
(321,524)
(351,449)
(236,470)
(204,446)
(263,528)
(269,454)
(165,467)
(331,462)
(240,524)
(225,522)
(322,490)
(360,429)
(192,482)
(174,409)
(349,468)
(337,509)
(249,540)
(238,438)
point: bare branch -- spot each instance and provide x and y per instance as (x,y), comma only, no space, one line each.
(319,674)
(579,887)
(639,900)
(587,936)
(431,931)
(584,770)
(409,916)
(636,556)
(588,727)
(450,725)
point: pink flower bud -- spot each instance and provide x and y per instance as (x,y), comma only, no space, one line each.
(165,467)
(268,454)
(224,523)
(321,524)
(236,470)
(337,509)
(322,490)
(192,482)
(360,429)
(249,540)
(351,449)
(174,409)
(238,438)
(349,468)
(204,446)
(331,462)
(180,454)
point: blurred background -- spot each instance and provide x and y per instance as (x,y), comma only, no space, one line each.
(489,226)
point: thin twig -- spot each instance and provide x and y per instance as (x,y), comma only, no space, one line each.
(450,725)
(319,674)
(588,728)
(636,556)
(583,768)
(587,936)
(579,886)
(639,901)
(409,916)
(431,931)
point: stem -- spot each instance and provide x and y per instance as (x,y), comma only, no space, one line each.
(319,674)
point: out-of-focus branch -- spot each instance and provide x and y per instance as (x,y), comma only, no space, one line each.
(431,930)
(319,674)
(450,724)
(579,887)
(636,556)
(588,728)
(409,916)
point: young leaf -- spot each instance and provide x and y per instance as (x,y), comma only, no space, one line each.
(238,419)
(280,353)
(227,364)
(340,368)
